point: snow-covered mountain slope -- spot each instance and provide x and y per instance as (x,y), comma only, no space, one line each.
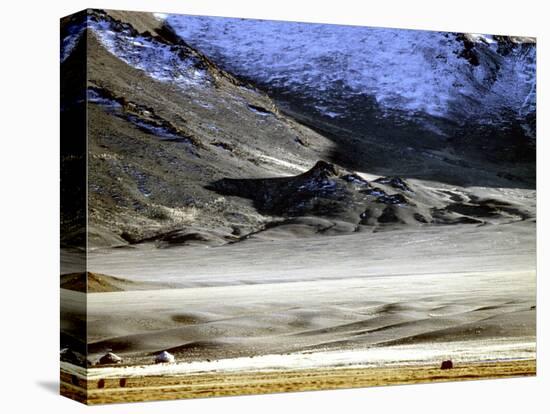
(342,71)
(162,62)
(182,151)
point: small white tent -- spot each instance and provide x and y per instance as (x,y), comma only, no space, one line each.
(163,357)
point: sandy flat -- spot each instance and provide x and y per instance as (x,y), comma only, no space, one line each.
(230,321)
(426,250)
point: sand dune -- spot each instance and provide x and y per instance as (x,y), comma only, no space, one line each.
(95,282)
(247,320)
(406,287)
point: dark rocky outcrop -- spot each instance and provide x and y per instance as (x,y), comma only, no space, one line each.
(388,216)
(329,192)
(395,182)
(72,357)
(318,191)
(392,199)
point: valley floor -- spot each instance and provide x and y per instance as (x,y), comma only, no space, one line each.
(387,306)
(439,285)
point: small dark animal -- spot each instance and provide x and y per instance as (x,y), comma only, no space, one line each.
(448,364)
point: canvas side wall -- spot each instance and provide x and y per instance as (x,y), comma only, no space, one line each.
(73,232)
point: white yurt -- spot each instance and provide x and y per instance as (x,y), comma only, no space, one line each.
(164,357)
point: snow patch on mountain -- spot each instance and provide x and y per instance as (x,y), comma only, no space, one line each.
(160,16)
(165,63)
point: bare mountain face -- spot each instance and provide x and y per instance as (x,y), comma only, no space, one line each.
(186,147)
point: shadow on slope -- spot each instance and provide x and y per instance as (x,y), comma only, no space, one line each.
(330,200)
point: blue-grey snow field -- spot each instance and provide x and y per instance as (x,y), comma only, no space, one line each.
(352,195)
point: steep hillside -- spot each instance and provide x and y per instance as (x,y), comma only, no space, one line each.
(164,122)
(180,151)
